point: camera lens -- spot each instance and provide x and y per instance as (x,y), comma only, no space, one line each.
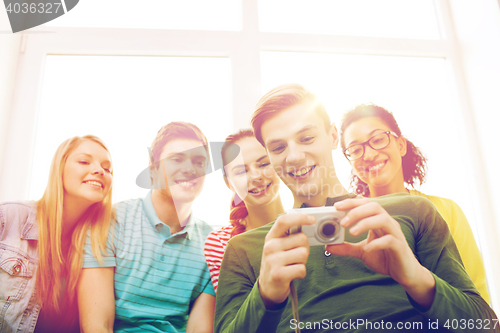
(328,230)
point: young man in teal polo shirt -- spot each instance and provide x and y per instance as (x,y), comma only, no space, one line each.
(154,277)
(399,268)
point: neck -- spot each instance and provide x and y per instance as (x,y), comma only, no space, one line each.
(397,185)
(331,189)
(262,215)
(169,211)
(380,191)
(72,212)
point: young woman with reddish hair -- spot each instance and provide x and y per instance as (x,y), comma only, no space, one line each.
(256,201)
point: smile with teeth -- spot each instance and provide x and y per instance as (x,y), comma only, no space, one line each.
(94,183)
(259,189)
(302,171)
(376,167)
(185,183)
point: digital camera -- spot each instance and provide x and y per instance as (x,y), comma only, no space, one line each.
(326,230)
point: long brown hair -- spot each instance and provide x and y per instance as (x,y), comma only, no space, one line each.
(238,209)
(52,264)
(414,163)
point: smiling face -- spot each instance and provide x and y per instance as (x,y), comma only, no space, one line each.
(251,175)
(300,149)
(87,175)
(380,169)
(183,164)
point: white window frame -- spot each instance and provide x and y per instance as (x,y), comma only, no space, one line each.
(243,48)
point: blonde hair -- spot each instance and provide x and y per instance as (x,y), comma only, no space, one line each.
(52,265)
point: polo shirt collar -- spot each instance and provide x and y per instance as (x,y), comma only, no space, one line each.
(332,201)
(161,227)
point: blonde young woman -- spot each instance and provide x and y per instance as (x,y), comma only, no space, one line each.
(256,200)
(385,162)
(41,242)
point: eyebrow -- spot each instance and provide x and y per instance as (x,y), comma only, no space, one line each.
(305,129)
(238,166)
(355,142)
(90,156)
(263,157)
(175,154)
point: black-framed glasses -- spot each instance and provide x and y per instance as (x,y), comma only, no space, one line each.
(377,142)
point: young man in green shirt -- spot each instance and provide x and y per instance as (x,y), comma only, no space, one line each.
(398,268)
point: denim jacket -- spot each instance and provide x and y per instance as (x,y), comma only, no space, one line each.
(18,263)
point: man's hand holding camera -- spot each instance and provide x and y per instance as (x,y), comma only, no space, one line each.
(283,258)
(385,250)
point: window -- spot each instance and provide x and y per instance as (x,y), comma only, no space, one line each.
(382,18)
(154,14)
(125,101)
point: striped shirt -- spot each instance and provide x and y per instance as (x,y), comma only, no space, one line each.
(215,245)
(158,276)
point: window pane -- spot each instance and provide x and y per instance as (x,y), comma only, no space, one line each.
(415,90)
(380,18)
(125,101)
(154,14)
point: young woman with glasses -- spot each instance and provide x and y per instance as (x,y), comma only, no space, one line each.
(384,162)
(256,201)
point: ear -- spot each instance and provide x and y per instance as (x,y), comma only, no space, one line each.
(334,134)
(401,141)
(163,182)
(228,184)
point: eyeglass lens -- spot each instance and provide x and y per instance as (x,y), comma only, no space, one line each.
(377,142)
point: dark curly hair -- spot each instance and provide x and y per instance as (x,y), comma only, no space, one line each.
(238,209)
(414,163)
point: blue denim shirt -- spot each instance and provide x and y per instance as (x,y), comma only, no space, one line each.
(18,263)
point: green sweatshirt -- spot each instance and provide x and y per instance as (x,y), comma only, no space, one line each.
(343,294)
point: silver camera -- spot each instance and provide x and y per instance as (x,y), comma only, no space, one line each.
(326,230)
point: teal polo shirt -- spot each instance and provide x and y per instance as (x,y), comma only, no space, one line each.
(158,276)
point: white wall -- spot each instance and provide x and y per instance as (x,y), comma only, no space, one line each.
(9,46)
(477,27)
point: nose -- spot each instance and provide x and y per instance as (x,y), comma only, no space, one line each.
(187,167)
(254,175)
(295,155)
(97,170)
(370,153)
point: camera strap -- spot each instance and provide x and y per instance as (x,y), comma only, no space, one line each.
(295,305)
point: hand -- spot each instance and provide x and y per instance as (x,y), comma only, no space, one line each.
(385,250)
(283,258)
